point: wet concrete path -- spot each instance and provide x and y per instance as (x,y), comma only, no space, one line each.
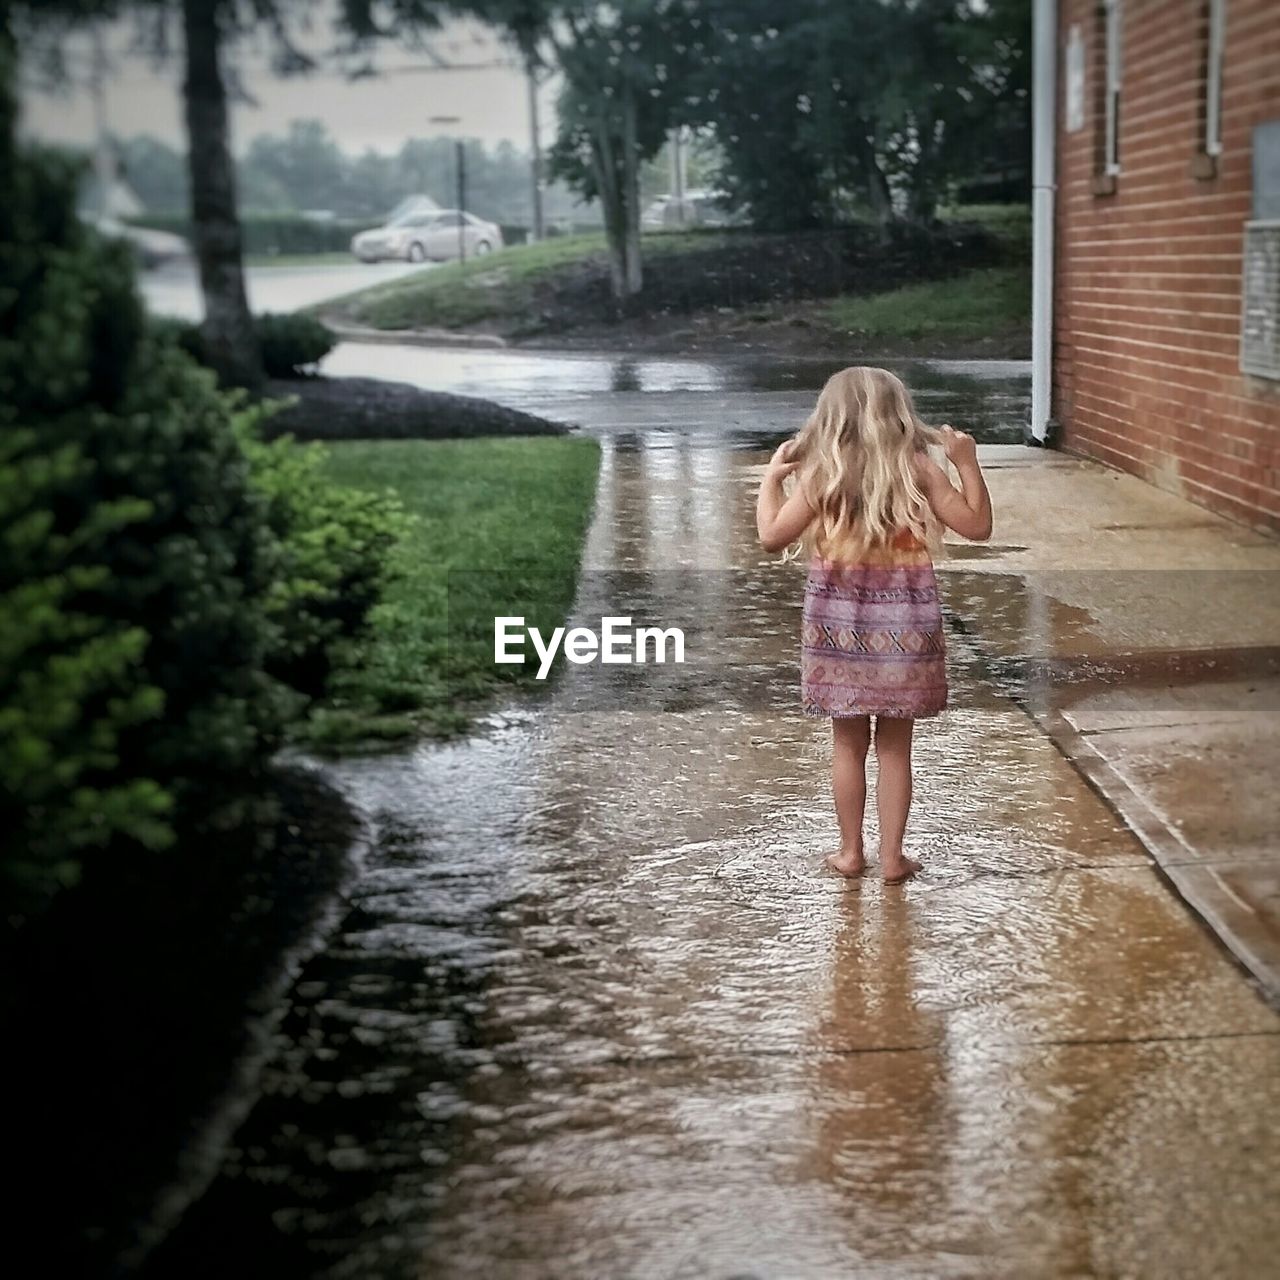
(598,1011)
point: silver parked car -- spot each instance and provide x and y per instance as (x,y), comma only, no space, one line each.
(423,236)
(699,208)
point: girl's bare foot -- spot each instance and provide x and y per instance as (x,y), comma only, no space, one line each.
(848,862)
(898,869)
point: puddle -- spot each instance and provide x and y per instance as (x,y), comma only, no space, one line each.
(648,402)
(1052,638)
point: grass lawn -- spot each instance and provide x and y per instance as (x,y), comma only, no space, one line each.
(1009,222)
(548,287)
(974,305)
(499,525)
(494,287)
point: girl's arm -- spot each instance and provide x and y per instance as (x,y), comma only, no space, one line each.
(780,520)
(967,511)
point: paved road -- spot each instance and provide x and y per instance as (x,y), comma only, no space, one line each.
(174,290)
(598,1011)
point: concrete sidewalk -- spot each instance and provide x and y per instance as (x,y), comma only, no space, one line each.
(1143,634)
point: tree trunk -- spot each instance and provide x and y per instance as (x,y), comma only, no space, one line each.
(631,193)
(230,345)
(878,194)
(616,239)
(8,109)
(611,205)
(922,196)
(924,206)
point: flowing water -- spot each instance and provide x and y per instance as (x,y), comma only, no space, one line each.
(597,1010)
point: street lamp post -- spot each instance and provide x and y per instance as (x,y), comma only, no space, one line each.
(460,170)
(677,172)
(460,158)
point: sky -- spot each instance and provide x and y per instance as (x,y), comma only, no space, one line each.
(380,112)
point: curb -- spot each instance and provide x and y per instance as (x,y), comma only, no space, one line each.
(1226,915)
(414,337)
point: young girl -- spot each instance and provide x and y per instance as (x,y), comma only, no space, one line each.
(868,505)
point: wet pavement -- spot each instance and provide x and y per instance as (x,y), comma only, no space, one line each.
(598,1011)
(174,290)
(654,402)
(1155,628)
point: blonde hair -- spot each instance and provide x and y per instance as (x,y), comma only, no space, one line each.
(857,463)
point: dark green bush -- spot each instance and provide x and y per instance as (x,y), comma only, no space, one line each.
(199,574)
(138,563)
(69,679)
(182,334)
(336,551)
(291,343)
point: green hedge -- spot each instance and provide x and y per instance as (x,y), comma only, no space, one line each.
(271,233)
(137,565)
(336,544)
(292,343)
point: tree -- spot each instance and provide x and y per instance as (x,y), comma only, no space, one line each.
(818,107)
(208,27)
(305,163)
(230,345)
(373,185)
(621,65)
(157,172)
(623,68)
(958,90)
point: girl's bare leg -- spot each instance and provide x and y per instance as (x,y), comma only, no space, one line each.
(893,795)
(851,738)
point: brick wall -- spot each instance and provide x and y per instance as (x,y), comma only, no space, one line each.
(1147,328)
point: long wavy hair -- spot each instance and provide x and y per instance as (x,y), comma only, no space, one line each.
(856,455)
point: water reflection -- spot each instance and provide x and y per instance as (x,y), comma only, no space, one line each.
(881,1105)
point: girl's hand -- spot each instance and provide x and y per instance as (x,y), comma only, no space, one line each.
(959,446)
(779,466)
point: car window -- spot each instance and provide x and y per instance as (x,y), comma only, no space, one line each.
(450,220)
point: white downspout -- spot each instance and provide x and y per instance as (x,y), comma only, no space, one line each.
(1044,82)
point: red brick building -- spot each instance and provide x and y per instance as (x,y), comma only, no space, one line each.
(1166,350)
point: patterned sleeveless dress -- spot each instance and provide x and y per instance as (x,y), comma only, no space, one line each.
(871,636)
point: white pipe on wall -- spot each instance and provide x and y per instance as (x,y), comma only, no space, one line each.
(1044,123)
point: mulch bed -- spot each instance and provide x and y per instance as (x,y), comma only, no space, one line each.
(372,409)
(134,1003)
(739,270)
